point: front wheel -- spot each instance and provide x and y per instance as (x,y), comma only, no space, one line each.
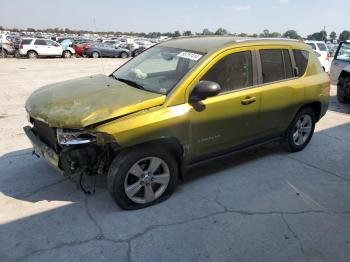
(300,131)
(142,177)
(67,54)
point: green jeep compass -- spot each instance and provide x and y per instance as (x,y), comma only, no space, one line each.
(179,103)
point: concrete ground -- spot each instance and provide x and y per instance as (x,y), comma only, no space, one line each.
(259,205)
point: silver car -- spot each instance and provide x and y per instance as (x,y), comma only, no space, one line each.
(340,72)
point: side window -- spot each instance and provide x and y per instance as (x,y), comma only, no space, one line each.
(272,65)
(301,59)
(26,41)
(40,42)
(344,52)
(322,47)
(235,71)
(51,43)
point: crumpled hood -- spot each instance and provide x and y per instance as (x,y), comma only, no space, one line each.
(84,101)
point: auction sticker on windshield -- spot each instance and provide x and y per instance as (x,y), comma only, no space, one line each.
(191,56)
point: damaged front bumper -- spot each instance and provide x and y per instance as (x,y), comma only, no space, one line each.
(42,149)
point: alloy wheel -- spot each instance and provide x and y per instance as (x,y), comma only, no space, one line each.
(147,180)
(302,130)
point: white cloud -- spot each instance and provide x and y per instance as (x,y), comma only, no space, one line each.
(283,1)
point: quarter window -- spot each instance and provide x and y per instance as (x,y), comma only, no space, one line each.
(301,58)
(322,47)
(313,46)
(235,71)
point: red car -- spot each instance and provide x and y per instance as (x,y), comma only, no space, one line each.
(79,48)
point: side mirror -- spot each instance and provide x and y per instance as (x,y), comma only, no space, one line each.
(203,90)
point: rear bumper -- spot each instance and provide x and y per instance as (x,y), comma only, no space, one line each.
(42,149)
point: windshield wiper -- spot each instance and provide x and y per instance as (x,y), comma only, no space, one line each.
(129,82)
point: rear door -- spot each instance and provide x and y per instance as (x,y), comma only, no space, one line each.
(40,46)
(340,61)
(280,93)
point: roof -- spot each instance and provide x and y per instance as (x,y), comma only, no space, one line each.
(205,44)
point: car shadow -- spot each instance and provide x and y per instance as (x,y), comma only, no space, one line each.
(336,106)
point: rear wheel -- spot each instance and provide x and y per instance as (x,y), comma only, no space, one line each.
(67,54)
(142,177)
(32,54)
(95,55)
(343,90)
(300,131)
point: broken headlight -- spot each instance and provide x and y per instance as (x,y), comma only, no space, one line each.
(74,137)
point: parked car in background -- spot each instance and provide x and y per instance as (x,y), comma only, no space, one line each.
(319,46)
(39,47)
(80,47)
(113,43)
(340,72)
(6,46)
(324,62)
(144,125)
(103,50)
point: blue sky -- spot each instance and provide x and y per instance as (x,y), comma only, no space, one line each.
(250,16)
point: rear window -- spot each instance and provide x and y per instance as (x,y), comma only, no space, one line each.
(301,59)
(322,47)
(26,41)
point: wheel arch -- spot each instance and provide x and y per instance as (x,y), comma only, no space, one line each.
(316,106)
(32,50)
(170,144)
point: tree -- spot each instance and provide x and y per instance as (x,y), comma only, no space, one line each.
(333,35)
(187,33)
(29,29)
(275,35)
(292,34)
(1,28)
(345,35)
(206,31)
(221,31)
(242,35)
(324,35)
(177,33)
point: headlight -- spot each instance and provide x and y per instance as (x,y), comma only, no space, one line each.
(74,137)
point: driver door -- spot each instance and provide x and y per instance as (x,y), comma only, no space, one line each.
(230,118)
(53,49)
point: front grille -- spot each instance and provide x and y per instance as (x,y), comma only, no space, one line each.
(45,133)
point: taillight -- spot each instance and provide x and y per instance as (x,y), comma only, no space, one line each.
(21,46)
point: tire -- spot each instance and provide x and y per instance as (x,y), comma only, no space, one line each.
(343,90)
(66,54)
(17,54)
(300,131)
(120,177)
(124,55)
(32,54)
(3,53)
(95,55)
(136,52)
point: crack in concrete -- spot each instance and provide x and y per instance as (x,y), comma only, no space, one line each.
(296,237)
(154,227)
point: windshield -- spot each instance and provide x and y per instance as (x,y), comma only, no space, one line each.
(158,69)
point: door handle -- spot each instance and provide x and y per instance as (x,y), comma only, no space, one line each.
(248,100)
